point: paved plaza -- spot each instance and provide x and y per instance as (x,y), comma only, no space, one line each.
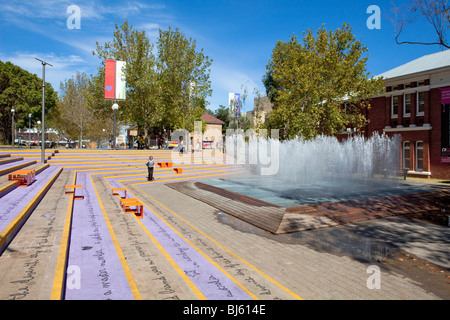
(85,242)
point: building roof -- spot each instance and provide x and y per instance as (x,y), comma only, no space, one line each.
(211,119)
(426,63)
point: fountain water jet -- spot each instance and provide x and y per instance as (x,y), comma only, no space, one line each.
(317,183)
(325,158)
(319,170)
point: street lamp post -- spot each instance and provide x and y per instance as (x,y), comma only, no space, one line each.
(12,127)
(115,106)
(43,108)
(29,130)
(38,131)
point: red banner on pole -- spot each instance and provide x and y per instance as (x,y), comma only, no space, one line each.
(110,78)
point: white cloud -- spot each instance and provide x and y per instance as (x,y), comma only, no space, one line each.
(227,78)
(57,9)
(151,29)
(63,67)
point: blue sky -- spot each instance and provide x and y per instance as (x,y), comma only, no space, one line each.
(238,35)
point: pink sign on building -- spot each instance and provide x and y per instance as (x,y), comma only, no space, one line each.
(445,96)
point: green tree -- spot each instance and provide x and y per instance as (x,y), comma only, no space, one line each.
(75,118)
(142,105)
(22,91)
(184,74)
(223,114)
(320,86)
(164,90)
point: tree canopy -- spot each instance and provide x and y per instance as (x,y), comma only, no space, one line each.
(22,91)
(320,86)
(74,117)
(166,87)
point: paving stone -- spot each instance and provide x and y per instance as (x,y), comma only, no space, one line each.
(262,266)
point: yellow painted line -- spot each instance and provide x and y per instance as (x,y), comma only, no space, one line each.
(89,166)
(79,155)
(10,185)
(107,151)
(124,173)
(103,161)
(5,235)
(203,254)
(196,291)
(126,268)
(112,162)
(111,172)
(29,154)
(96,159)
(138,172)
(160,171)
(58,280)
(182,274)
(42,168)
(184,178)
(127,169)
(15,183)
(10,169)
(8,160)
(224,248)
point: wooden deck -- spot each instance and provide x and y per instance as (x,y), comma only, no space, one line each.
(433,206)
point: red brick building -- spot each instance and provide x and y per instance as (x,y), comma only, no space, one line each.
(415,104)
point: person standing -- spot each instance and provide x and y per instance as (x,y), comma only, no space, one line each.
(180,145)
(159,143)
(150,164)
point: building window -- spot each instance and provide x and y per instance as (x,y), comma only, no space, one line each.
(394,106)
(406,155)
(420,103)
(406,105)
(419,156)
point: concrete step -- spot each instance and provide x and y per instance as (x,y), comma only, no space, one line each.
(28,265)
(7,186)
(10,167)
(9,160)
(17,206)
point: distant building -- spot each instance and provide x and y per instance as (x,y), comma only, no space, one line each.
(415,104)
(213,125)
(212,137)
(262,108)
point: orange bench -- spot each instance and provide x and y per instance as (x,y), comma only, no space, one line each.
(178,170)
(126,205)
(73,187)
(115,193)
(23,177)
(164,164)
